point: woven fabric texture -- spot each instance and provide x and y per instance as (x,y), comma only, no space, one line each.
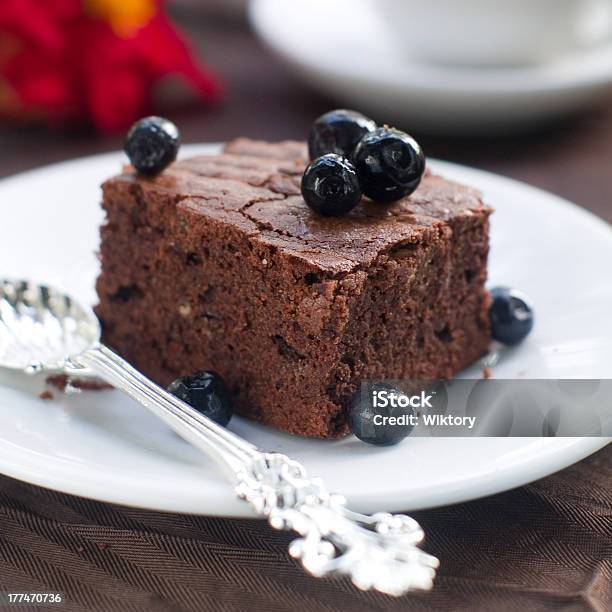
(545,546)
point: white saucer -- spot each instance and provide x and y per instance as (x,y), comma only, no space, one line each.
(104,446)
(343,48)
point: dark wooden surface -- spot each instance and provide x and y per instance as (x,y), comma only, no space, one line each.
(572,158)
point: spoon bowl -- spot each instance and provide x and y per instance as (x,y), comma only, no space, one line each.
(41,328)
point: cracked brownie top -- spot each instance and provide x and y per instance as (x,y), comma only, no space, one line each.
(255,186)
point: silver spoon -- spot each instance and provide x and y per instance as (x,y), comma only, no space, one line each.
(41,329)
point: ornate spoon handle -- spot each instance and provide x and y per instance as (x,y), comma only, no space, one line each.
(377,552)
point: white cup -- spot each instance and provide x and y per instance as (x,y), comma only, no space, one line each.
(495,32)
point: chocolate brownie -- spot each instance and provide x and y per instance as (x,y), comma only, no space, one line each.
(218,264)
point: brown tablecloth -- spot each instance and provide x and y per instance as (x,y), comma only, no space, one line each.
(545,546)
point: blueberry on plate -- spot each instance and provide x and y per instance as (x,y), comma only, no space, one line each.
(330,185)
(207,393)
(390,164)
(511,315)
(368,418)
(152,144)
(338,131)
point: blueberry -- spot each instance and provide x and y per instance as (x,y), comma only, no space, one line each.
(330,185)
(390,164)
(510,314)
(152,144)
(362,412)
(207,393)
(338,131)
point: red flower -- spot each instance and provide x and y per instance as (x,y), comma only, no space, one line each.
(90,59)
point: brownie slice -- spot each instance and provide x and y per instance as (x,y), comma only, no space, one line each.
(218,264)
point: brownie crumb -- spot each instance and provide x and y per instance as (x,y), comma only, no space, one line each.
(58,381)
(487,373)
(65,383)
(46,395)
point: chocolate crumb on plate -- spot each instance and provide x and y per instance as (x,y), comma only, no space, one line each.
(65,383)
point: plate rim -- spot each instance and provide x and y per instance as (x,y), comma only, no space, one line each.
(576,449)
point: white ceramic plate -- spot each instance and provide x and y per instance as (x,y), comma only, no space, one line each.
(343,48)
(103,445)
